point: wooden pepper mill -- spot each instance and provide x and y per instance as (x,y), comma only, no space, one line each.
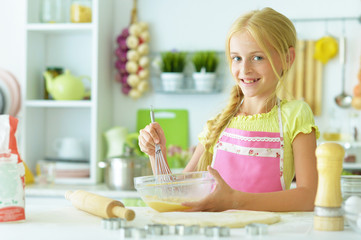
(328,212)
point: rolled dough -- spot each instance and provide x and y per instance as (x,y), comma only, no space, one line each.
(230,218)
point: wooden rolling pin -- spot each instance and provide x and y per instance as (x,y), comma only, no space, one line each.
(98,205)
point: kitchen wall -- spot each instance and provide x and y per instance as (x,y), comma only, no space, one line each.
(202,24)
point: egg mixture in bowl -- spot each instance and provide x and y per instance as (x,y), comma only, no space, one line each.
(166,193)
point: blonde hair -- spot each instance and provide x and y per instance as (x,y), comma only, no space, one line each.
(269,28)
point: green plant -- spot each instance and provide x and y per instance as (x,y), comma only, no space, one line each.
(207,59)
(173,61)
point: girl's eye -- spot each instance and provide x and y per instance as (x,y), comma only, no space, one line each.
(236,59)
(257,58)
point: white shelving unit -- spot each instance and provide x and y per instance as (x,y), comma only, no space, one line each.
(84,49)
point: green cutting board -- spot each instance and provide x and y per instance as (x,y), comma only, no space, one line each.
(173,121)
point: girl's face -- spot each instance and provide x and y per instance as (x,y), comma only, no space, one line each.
(251,68)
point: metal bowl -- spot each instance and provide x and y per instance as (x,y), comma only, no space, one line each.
(165,193)
(120,171)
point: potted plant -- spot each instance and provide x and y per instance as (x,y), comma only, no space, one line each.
(172,67)
(205,63)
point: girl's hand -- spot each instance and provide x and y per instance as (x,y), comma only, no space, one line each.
(149,136)
(221,199)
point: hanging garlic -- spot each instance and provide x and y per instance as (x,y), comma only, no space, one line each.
(135,94)
(144,74)
(135,30)
(133,63)
(144,36)
(133,80)
(132,42)
(133,55)
(143,86)
(144,62)
(143,26)
(131,67)
(143,49)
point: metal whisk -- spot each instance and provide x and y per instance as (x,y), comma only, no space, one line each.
(161,168)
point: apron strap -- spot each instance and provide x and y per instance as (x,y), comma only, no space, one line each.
(282,144)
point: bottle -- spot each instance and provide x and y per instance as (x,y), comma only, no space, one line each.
(81,11)
(51,11)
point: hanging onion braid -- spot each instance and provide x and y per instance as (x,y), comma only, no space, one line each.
(216,125)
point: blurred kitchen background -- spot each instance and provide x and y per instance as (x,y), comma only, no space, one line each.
(30,45)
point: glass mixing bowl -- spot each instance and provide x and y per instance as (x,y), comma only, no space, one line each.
(165,193)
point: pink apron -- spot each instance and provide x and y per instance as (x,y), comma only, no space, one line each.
(251,161)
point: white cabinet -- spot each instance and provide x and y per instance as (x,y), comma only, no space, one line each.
(84,49)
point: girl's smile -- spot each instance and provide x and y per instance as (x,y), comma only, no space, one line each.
(250,80)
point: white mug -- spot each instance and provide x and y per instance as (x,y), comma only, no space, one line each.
(69,148)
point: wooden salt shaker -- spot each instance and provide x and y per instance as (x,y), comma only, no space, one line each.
(328,212)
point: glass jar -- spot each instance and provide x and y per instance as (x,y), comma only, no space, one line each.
(51,11)
(333,129)
(81,11)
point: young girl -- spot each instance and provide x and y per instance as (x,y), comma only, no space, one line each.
(256,145)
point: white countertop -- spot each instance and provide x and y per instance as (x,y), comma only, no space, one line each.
(55,218)
(58,190)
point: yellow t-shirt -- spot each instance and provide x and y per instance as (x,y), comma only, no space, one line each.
(297,117)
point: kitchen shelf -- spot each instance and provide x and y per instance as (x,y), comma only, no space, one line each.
(59,104)
(78,47)
(59,27)
(352,166)
(189,89)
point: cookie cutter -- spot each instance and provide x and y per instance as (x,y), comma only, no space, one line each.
(138,233)
(183,230)
(157,229)
(217,231)
(195,229)
(125,232)
(112,223)
(254,229)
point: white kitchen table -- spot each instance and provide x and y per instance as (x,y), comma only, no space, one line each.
(55,218)
(58,190)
